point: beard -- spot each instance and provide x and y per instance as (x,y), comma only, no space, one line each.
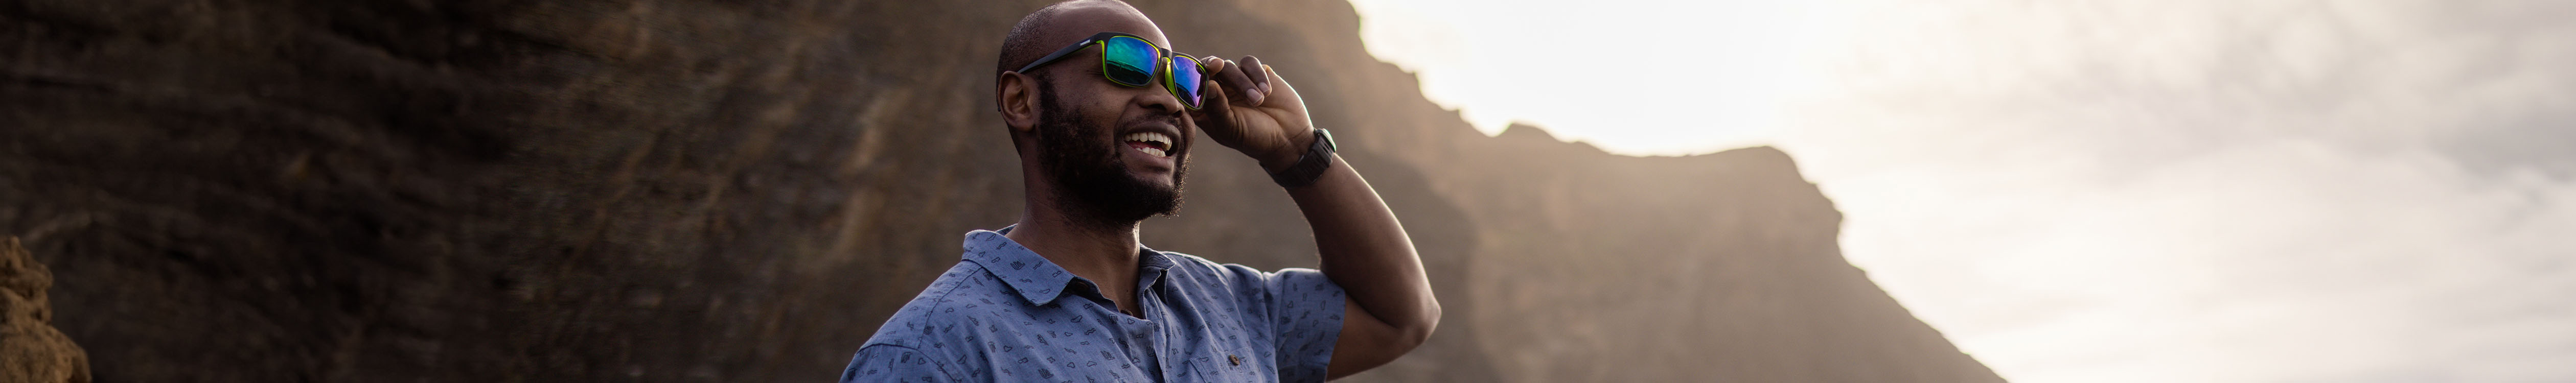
(1091,173)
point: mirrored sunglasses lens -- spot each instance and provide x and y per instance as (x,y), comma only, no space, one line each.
(1186,79)
(1128,61)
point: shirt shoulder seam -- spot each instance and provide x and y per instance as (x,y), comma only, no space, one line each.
(935,303)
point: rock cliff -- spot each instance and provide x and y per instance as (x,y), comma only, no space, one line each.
(31,350)
(692,190)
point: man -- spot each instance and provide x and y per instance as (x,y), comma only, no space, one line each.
(1100,113)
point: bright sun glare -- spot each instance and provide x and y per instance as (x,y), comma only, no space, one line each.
(2106,190)
(1639,77)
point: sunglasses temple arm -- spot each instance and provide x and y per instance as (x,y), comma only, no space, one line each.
(1059,53)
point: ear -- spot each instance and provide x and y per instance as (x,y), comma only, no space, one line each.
(1019,101)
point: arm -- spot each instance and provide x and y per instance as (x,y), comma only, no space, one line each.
(1364,249)
(1389,308)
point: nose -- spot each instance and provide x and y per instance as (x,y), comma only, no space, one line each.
(1159,98)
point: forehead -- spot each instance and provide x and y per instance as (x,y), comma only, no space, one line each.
(1080,22)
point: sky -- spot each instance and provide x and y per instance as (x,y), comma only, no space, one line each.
(2109,191)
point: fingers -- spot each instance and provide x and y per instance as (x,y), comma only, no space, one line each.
(1233,75)
(1270,82)
(1211,65)
(1278,88)
(1261,81)
(1215,105)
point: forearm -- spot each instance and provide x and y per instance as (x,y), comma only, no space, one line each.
(1366,251)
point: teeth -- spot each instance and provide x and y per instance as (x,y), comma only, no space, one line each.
(1158,138)
(1151,151)
(1150,137)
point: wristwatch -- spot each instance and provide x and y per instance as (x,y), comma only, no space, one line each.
(1309,166)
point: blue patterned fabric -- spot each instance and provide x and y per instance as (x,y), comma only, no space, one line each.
(1004,314)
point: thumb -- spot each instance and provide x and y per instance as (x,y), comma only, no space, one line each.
(1212,95)
(1216,111)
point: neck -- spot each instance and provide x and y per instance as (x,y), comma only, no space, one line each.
(1103,252)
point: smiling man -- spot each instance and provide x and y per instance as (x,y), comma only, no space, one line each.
(1101,113)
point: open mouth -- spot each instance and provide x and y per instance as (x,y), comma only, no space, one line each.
(1152,143)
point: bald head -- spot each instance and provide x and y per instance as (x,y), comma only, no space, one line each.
(1064,23)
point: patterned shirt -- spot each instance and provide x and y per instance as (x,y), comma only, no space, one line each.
(1005,314)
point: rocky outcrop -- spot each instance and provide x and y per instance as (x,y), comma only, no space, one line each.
(694,190)
(31,351)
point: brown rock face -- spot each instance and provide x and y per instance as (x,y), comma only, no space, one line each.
(31,351)
(692,190)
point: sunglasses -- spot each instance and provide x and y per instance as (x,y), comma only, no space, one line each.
(1131,61)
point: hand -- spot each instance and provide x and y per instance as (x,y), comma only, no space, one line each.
(1249,108)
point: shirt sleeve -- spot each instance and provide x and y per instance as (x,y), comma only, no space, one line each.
(1306,312)
(895,364)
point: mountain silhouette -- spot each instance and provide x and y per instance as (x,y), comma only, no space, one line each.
(691,190)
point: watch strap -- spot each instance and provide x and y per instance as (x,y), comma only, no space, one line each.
(1311,165)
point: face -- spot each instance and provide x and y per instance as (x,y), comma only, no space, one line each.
(1118,152)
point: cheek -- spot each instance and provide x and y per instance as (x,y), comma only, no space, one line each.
(1100,94)
(1101,112)
(1112,103)
(1189,138)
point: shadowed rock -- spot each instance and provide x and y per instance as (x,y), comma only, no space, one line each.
(31,351)
(692,190)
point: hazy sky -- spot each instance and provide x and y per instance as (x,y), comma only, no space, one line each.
(2110,191)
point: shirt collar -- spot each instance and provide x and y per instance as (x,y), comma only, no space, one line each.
(1038,280)
(1032,276)
(1150,267)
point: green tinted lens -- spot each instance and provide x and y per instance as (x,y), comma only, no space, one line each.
(1128,61)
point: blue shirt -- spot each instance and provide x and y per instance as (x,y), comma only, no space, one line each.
(1005,314)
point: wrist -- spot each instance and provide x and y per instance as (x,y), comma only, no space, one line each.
(1310,163)
(1288,153)
(1275,165)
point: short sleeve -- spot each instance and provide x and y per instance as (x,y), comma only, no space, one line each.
(894,364)
(1306,310)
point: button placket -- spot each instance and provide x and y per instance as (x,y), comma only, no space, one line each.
(1152,302)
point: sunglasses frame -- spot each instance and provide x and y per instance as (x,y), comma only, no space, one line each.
(1163,65)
